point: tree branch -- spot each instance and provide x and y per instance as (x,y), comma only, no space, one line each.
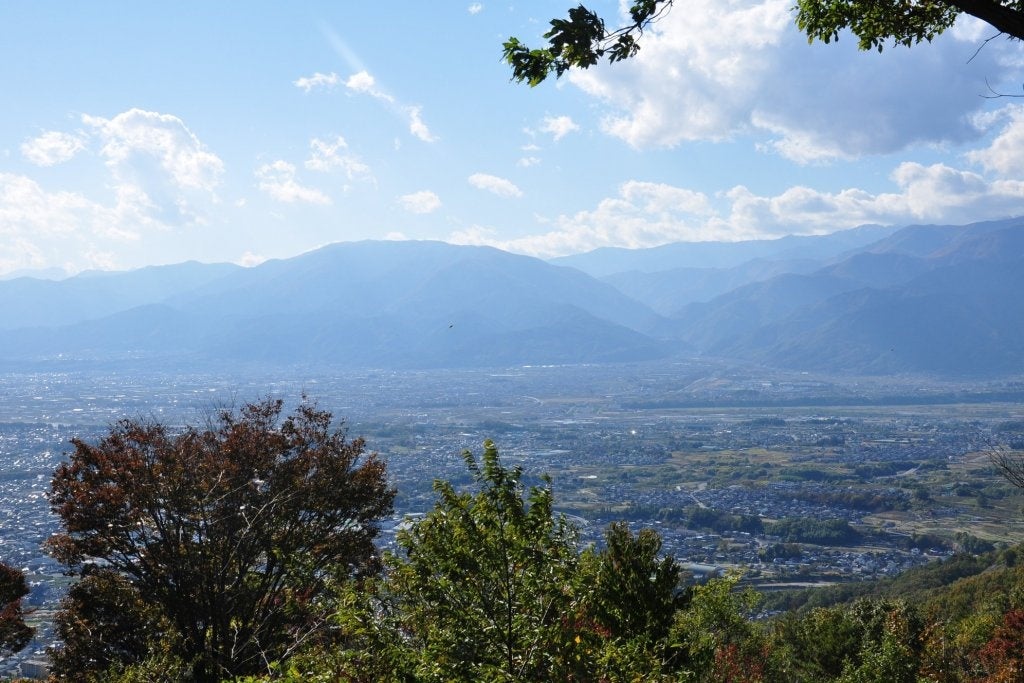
(1003,17)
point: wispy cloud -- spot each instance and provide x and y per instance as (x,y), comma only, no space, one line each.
(46,228)
(475,8)
(249,259)
(423,201)
(277,179)
(328,155)
(363,82)
(317,80)
(417,127)
(52,148)
(558,126)
(495,185)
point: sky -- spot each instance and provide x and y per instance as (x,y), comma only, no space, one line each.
(136,134)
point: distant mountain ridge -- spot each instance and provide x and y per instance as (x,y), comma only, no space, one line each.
(929,299)
(378,304)
(33,302)
(923,299)
(613,260)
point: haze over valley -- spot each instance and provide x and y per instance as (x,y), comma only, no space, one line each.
(938,300)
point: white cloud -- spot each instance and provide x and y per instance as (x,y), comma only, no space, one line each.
(1005,155)
(277,179)
(494,184)
(19,253)
(722,69)
(249,259)
(558,126)
(971,29)
(96,259)
(41,228)
(526,162)
(423,201)
(364,82)
(396,236)
(26,209)
(161,177)
(135,135)
(697,76)
(645,214)
(475,235)
(317,80)
(51,148)
(935,193)
(327,155)
(475,8)
(417,127)
(801,146)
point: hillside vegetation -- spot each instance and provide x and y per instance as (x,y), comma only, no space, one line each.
(490,585)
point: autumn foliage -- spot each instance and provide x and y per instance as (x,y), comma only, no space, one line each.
(14,632)
(230,534)
(244,551)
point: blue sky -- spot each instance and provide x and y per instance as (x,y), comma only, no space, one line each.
(136,134)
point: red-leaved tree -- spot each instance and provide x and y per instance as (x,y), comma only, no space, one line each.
(232,532)
(14,632)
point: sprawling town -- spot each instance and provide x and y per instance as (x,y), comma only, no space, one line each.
(794,481)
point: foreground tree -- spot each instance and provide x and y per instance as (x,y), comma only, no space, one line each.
(484,586)
(635,589)
(860,642)
(714,639)
(1009,462)
(582,39)
(223,539)
(490,586)
(14,632)
(104,626)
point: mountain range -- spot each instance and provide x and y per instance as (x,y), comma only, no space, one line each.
(933,299)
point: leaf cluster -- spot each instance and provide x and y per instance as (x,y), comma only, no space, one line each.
(495,563)
(581,41)
(14,632)
(875,22)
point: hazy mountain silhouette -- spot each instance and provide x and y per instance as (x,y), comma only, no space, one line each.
(403,304)
(35,302)
(934,299)
(681,255)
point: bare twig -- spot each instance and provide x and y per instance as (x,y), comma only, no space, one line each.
(996,94)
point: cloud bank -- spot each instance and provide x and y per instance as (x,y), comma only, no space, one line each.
(646,214)
(722,69)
